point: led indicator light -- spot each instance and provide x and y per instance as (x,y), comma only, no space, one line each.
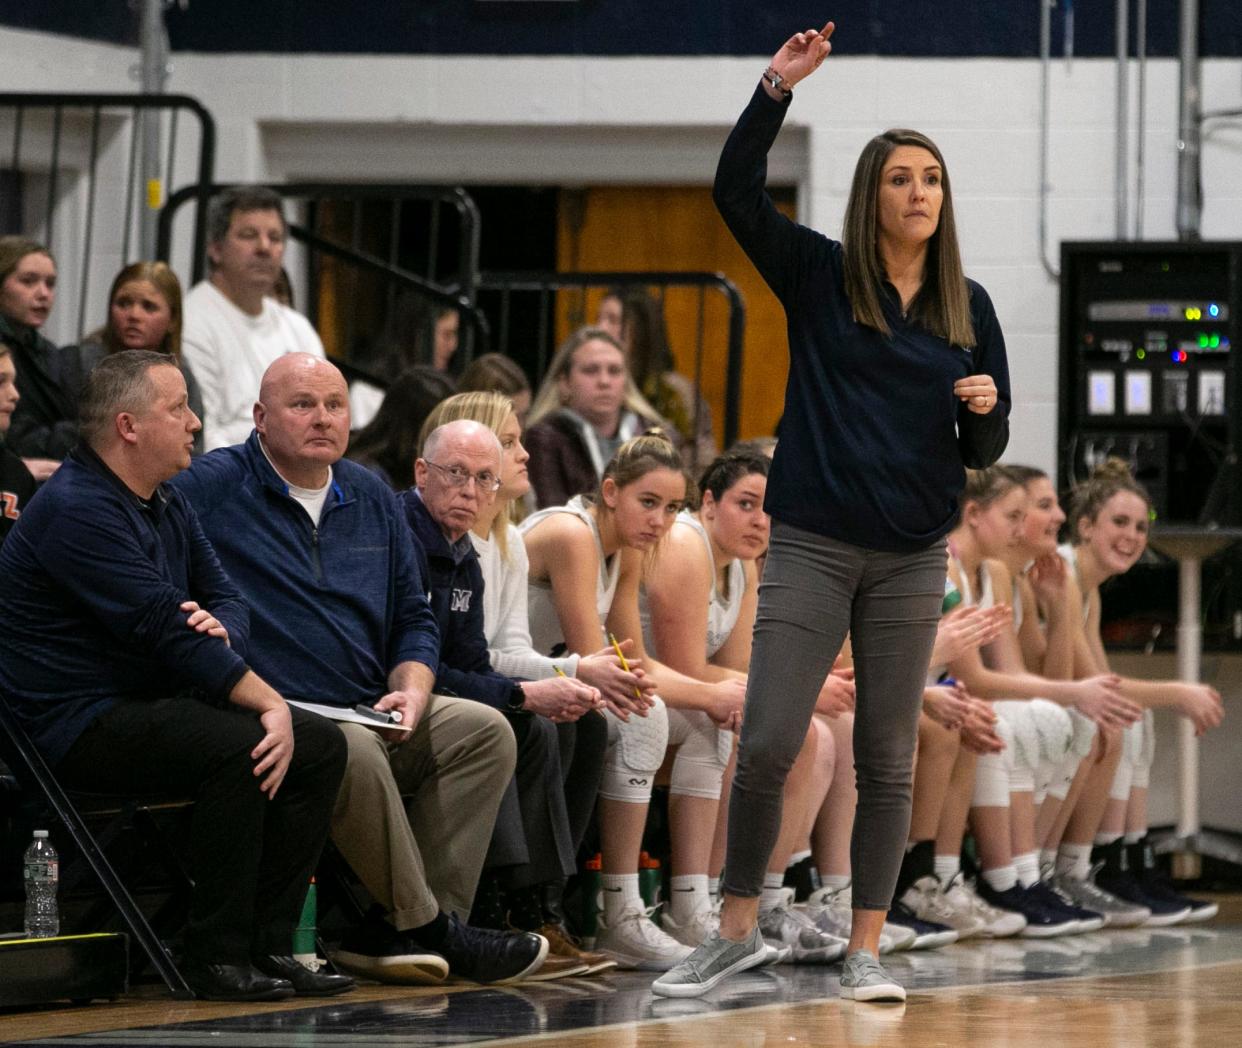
(1141,354)
(1213,310)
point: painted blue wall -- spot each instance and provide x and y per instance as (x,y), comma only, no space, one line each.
(938,28)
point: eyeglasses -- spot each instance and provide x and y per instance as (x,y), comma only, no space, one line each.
(487,481)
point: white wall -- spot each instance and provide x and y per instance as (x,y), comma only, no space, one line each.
(661,120)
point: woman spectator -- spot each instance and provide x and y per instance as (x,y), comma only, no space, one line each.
(45,424)
(17,486)
(643,335)
(496,373)
(587,407)
(144,312)
(389,443)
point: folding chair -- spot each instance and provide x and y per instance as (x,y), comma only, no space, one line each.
(31,769)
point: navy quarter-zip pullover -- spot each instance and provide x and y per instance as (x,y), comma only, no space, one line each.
(873,443)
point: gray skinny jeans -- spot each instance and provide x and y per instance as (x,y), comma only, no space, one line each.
(814,591)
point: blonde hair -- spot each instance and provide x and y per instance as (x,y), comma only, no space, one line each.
(633,460)
(985,486)
(548,399)
(489,409)
(1107,479)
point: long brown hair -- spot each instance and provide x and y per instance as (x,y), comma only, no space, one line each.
(165,281)
(942,304)
(493,373)
(14,248)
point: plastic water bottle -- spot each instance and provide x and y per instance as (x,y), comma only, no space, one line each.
(41,874)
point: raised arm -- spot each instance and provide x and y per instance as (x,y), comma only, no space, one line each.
(778,247)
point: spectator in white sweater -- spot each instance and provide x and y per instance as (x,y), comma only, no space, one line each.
(234,326)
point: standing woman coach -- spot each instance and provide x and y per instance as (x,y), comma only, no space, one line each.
(897,381)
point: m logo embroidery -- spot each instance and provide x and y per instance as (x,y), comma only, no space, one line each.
(461,600)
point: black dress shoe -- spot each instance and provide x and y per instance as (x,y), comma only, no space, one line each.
(234,982)
(305,982)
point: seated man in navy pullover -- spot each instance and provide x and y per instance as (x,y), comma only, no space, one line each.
(533,849)
(339,616)
(125,659)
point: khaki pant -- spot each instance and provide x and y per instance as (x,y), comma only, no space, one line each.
(414,819)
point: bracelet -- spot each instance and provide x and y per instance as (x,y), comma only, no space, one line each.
(777,81)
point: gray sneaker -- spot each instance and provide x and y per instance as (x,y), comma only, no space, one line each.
(863,978)
(784,927)
(1117,913)
(714,960)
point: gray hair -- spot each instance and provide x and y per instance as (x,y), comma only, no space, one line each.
(244,198)
(118,383)
(463,427)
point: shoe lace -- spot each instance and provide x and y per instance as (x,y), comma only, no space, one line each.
(558,935)
(480,944)
(642,925)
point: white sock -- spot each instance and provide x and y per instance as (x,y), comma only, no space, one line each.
(1002,878)
(1028,868)
(773,888)
(947,867)
(688,896)
(713,887)
(835,881)
(797,857)
(1104,838)
(620,892)
(1047,858)
(1074,860)
(1134,836)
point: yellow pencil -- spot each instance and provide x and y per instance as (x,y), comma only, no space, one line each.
(624,665)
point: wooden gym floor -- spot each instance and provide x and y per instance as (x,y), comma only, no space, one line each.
(1178,987)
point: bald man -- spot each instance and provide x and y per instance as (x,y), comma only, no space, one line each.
(319,547)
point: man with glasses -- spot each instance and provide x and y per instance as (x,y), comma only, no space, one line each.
(339,617)
(457,475)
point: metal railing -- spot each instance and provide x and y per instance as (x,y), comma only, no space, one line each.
(85,148)
(545,287)
(449,276)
